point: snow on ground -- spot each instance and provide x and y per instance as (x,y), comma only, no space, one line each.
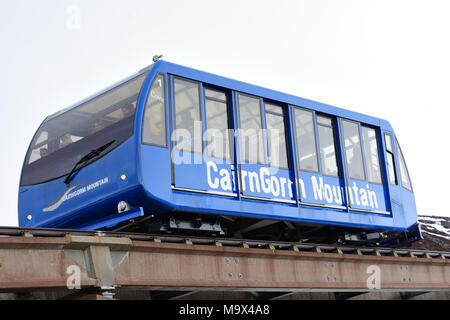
(436,231)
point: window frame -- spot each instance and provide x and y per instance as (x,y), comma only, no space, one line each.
(199,89)
(286,142)
(313,113)
(261,119)
(336,154)
(229,124)
(361,149)
(164,111)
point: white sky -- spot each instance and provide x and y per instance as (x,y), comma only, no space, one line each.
(389,59)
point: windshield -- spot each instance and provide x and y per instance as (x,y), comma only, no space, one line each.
(63,140)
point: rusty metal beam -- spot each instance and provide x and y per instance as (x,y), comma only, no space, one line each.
(36,263)
(194,266)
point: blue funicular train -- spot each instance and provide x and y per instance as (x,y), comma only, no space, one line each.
(177,150)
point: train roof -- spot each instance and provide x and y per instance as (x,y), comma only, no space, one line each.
(220,81)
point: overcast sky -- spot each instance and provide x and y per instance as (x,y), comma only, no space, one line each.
(389,59)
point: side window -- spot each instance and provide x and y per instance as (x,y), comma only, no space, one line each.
(353,152)
(406,181)
(327,146)
(276,136)
(371,154)
(217,124)
(252,140)
(154,126)
(306,140)
(188,125)
(390,159)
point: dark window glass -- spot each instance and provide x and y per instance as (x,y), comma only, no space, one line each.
(391,168)
(390,159)
(306,140)
(406,181)
(154,125)
(353,150)
(276,136)
(371,154)
(327,146)
(188,123)
(68,136)
(217,134)
(251,129)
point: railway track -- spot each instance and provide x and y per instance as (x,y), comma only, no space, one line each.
(42,259)
(246,243)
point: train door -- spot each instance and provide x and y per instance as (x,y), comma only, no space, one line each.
(263,154)
(365,187)
(219,143)
(201,144)
(320,179)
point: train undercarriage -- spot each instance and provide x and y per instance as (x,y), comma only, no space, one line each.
(190,224)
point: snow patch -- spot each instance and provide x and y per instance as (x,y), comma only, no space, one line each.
(436,235)
(434,225)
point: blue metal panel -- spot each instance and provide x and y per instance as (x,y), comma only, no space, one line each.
(158,188)
(220,176)
(324,190)
(262,181)
(409,209)
(189,170)
(155,167)
(110,222)
(93,193)
(367,196)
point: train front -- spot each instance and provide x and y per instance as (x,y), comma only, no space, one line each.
(80,169)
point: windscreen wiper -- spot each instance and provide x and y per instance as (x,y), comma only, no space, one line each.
(91,155)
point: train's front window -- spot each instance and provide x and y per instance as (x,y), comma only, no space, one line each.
(65,138)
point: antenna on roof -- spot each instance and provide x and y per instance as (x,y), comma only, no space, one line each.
(157,57)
